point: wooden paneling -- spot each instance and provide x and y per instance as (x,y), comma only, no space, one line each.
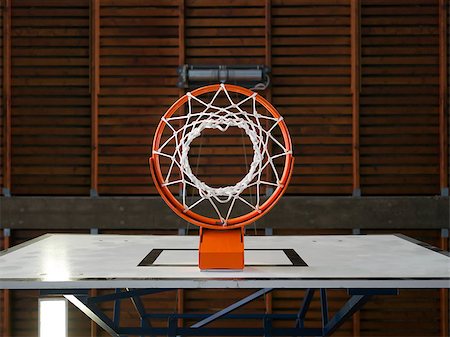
(139,56)
(355,28)
(310,52)
(6,95)
(2,323)
(448,91)
(2,114)
(411,313)
(220,32)
(443,97)
(94,72)
(399,98)
(50,98)
(311,89)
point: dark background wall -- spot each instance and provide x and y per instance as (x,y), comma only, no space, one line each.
(362,85)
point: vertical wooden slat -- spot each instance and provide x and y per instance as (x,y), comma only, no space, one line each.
(443,143)
(355,27)
(7,96)
(355,89)
(180,305)
(181,61)
(94,326)
(95,89)
(356,324)
(444,296)
(269,303)
(6,315)
(443,92)
(181,33)
(181,38)
(311,74)
(268,63)
(50,105)
(181,48)
(399,110)
(268,42)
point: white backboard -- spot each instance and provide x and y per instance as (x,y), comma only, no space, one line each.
(63,261)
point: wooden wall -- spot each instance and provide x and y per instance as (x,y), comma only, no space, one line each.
(400,97)
(445,63)
(359,86)
(360,83)
(50,101)
(138,60)
(311,88)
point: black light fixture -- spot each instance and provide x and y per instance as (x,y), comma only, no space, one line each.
(255,77)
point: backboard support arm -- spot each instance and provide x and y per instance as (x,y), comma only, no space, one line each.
(89,306)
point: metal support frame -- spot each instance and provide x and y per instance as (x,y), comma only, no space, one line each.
(300,321)
(231,308)
(90,306)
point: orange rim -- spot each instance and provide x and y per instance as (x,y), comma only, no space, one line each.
(201,220)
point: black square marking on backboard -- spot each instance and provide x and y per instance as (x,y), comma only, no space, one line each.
(291,254)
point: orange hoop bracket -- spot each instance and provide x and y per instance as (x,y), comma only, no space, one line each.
(194,217)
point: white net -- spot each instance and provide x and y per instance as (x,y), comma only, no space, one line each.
(186,128)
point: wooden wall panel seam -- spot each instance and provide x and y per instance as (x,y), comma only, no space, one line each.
(7,97)
(181,92)
(443,96)
(94,83)
(94,326)
(268,41)
(6,145)
(268,63)
(181,33)
(355,89)
(95,90)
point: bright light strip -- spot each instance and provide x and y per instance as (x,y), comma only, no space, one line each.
(52,317)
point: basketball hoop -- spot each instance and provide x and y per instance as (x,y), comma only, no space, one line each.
(176,132)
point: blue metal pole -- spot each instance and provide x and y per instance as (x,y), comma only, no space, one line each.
(300,321)
(231,308)
(324,307)
(125,294)
(93,313)
(349,308)
(268,326)
(116,311)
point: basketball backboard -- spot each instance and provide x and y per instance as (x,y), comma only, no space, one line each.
(69,261)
